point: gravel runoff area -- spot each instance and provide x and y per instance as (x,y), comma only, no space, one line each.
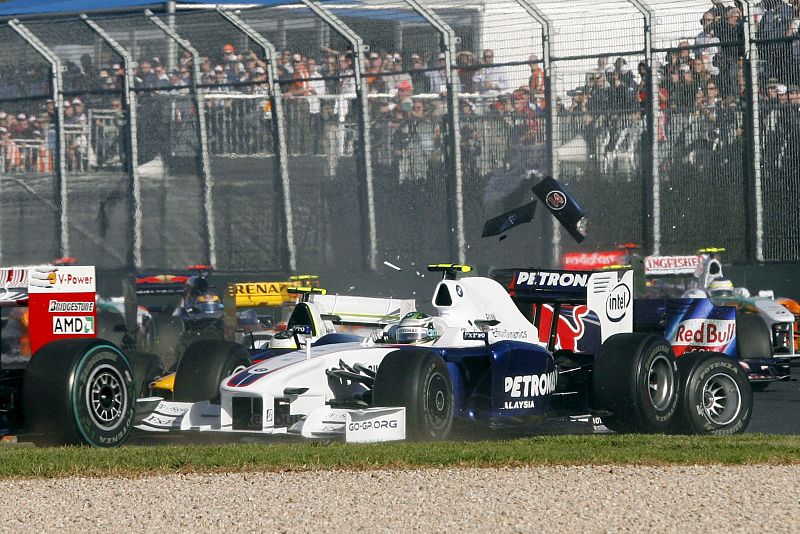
(529,499)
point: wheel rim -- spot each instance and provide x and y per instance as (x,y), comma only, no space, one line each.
(438,400)
(106,397)
(661,383)
(722,399)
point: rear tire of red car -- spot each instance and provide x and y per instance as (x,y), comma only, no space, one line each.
(716,397)
(79,391)
(204,365)
(419,381)
(635,378)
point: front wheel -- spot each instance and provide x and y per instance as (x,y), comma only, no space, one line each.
(79,391)
(419,381)
(204,365)
(716,395)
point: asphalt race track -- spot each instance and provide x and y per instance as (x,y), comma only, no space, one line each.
(777,409)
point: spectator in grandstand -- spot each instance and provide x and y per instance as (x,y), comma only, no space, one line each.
(110,133)
(465,73)
(684,54)
(398,75)
(794,34)
(175,79)
(773,25)
(79,114)
(536,79)
(418,74)
(375,82)
(706,42)
(730,31)
(343,109)
(330,70)
(316,88)
(437,79)
(491,79)
(286,62)
(147,77)
(227,50)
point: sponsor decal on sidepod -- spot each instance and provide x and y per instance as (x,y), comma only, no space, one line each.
(713,335)
(528,387)
(73,325)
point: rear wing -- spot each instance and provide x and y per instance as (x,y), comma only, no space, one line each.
(271,293)
(609,294)
(160,284)
(60,300)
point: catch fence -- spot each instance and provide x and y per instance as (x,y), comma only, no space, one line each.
(319,135)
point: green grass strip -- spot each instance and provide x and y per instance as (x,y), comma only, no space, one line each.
(541,450)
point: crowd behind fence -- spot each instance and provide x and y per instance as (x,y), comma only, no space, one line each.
(690,141)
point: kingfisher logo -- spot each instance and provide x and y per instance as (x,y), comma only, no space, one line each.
(617,303)
(73,325)
(712,335)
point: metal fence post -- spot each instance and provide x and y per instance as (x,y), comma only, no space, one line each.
(131,147)
(457,179)
(60,148)
(208,179)
(278,126)
(364,127)
(651,199)
(755,234)
(551,118)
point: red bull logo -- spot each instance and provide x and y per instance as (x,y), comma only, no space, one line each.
(569,328)
(711,335)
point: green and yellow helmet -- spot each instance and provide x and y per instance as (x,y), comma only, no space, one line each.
(416,327)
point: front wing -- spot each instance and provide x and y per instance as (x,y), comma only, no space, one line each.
(364,425)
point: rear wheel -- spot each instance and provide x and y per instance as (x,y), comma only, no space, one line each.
(716,397)
(79,391)
(635,378)
(419,381)
(204,365)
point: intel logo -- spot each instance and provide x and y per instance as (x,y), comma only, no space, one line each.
(617,303)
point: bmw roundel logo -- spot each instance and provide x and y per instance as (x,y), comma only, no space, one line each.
(556,200)
(459,291)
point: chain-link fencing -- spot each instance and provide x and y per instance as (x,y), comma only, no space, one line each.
(319,135)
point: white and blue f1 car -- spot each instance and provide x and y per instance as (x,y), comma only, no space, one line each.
(480,361)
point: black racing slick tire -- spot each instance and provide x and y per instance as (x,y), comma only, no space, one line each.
(419,381)
(753,338)
(146,368)
(79,391)
(635,378)
(716,397)
(204,365)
